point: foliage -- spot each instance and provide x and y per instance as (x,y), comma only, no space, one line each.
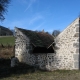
(3,8)
(55,33)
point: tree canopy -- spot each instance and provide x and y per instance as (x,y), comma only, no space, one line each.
(3,8)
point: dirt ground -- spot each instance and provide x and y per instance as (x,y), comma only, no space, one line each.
(6,52)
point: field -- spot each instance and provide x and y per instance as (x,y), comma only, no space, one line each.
(26,72)
(7,40)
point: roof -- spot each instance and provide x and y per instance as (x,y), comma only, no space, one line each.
(38,39)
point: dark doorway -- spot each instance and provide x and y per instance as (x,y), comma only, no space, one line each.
(50,50)
(40,50)
(43,50)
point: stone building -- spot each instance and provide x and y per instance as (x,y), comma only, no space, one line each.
(42,50)
(5,31)
(34,48)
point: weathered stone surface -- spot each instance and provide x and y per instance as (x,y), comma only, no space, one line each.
(76,25)
(76,45)
(77,29)
(76,35)
(76,65)
(16,54)
(77,50)
(69,46)
(78,40)
(76,57)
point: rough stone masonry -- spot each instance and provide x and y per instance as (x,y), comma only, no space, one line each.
(67,55)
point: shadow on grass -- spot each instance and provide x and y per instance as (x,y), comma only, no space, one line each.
(7,71)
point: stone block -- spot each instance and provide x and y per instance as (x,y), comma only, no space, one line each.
(76,45)
(77,50)
(77,29)
(76,25)
(65,58)
(76,65)
(78,40)
(16,54)
(76,57)
(76,35)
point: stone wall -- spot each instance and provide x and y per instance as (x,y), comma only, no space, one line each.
(45,61)
(67,52)
(21,45)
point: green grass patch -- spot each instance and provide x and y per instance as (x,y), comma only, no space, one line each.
(7,40)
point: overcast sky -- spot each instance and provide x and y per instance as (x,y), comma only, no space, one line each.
(41,14)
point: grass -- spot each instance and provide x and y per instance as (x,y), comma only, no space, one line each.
(7,40)
(25,72)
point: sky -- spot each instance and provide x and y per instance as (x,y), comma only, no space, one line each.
(47,15)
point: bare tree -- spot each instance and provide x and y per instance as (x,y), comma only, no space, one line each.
(3,8)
